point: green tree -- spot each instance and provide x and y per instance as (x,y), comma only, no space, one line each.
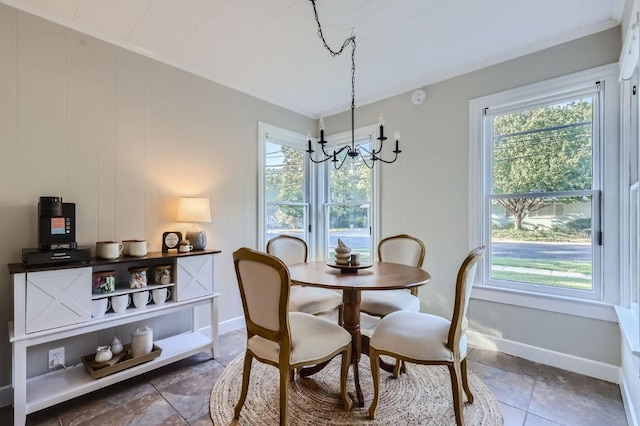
(352,182)
(284,181)
(542,149)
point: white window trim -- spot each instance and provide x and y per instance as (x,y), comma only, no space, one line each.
(338,140)
(289,138)
(602,310)
(298,140)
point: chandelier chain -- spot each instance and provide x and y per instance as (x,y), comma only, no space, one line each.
(349,41)
(353,150)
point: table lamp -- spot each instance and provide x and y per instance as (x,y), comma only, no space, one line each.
(195,210)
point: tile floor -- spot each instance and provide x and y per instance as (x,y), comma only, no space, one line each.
(530,394)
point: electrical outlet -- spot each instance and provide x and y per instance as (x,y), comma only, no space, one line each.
(56,357)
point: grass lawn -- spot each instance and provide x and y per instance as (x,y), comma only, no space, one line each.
(581,266)
(549,280)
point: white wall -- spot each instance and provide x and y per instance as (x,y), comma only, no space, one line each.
(426,193)
(123,137)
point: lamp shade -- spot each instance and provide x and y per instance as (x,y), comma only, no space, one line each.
(194,210)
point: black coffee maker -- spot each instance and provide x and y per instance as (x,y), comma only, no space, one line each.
(56,224)
(56,235)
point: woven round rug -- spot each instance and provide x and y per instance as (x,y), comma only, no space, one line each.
(422,396)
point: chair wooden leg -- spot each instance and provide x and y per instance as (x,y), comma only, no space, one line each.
(375,373)
(246,373)
(400,368)
(284,386)
(340,316)
(397,369)
(344,372)
(465,382)
(456,388)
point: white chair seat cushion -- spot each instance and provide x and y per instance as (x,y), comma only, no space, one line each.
(384,302)
(415,335)
(313,300)
(312,338)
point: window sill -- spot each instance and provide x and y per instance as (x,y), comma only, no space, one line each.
(630,328)
(564,305)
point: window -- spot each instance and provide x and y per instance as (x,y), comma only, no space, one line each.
(316,202)
(285,190)
(537,186)
(630,157)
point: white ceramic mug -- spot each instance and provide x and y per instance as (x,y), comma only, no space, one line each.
(161,295)
(108,249)
(141,298)
(138,248)
(99,307)
(185,248)
(126,246)
(120,303)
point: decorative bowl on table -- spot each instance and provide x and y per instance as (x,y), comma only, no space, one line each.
(343,253)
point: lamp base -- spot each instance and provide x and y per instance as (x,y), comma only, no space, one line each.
(198,239)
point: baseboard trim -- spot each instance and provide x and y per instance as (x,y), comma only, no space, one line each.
(627,401)
(587,367)
(6,395)
(231,325)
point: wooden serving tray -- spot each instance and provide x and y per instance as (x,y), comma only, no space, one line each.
(349,269)
(119,362)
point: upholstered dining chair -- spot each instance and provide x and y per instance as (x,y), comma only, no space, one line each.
(275,336)
(311,300)
(429,339)
(403,249)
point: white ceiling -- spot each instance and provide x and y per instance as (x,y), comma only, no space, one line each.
(270,48)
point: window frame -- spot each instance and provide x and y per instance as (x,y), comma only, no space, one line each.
(316,177)
(541,92)
(323,203)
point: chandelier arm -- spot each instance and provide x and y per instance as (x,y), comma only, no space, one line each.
(328,156)
(387,161)
(364,161)
(336,161)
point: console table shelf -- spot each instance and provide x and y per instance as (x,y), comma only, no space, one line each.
(54,303)
(61,385)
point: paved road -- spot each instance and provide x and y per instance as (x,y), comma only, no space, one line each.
(542,250)
(359,239)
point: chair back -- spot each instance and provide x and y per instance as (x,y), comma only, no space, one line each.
(287,248)
(263,281)
(464,285)
(403,249)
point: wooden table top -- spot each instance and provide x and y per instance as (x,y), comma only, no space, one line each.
(381,276)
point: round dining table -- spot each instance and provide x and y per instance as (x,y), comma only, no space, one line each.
(379,276)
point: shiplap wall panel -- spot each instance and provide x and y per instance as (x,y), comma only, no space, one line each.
(151,164)
(129,145)
(8,172)
(106,190)
(41,113)
(123,137)
(81,130)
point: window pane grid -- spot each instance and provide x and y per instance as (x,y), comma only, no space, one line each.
(541,197)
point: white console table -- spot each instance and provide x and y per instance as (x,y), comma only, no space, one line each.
(53,303)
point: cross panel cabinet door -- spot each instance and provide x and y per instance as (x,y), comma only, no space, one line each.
(57,298)
(195,277)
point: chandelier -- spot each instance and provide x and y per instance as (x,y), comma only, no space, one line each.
(368,157)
